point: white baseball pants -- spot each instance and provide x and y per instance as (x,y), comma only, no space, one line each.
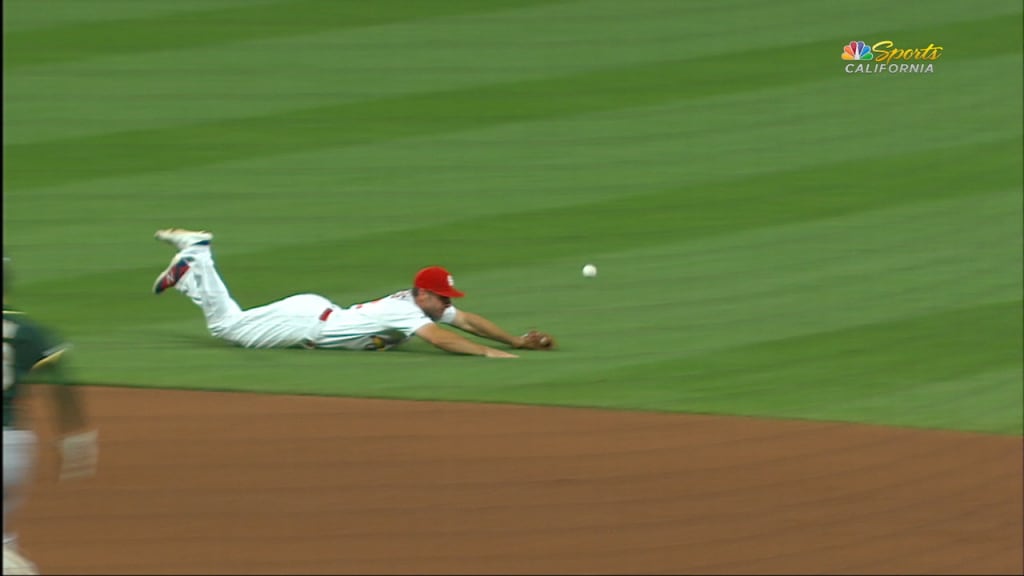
(19,458)
(293,321)
(17,565)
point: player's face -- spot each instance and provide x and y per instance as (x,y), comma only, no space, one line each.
(432,304)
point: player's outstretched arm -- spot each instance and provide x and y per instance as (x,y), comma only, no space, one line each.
(477,324)
(451,342)
(480,326)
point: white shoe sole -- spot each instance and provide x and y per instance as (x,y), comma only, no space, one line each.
(181,238)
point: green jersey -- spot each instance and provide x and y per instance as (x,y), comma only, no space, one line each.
(27,346)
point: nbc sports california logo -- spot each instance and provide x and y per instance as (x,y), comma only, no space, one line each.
(885,56)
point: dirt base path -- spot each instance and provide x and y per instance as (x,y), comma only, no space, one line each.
(210,483)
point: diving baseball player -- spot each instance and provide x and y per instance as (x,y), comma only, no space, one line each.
(313,321)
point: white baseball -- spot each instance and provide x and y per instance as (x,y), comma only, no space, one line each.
(590,270)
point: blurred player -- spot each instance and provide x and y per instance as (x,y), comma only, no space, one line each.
(15,563)
(31,353)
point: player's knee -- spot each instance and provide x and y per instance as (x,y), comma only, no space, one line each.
(223,329)
(15,563)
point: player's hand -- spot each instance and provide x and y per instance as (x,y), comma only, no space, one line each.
(79,454)
(495,353)
(537,340)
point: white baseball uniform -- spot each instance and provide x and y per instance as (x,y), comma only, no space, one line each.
(19,459)
(17,565)
(307,320)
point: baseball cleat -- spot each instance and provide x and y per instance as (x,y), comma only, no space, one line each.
(169,277)
(181,238)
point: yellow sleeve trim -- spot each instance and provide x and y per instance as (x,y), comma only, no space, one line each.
(52,358)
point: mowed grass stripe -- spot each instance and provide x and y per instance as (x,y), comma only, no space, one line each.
(107,31)
(618,151)
(150,90)
(784,281)
(988,401)
(339,194)
(73,42)
(629,222)
(874,358)
(32,165)
(153,90)
(23,15)
(850,373)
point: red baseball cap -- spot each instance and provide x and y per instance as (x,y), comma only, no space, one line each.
(437,280)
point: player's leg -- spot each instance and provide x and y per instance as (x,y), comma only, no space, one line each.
(16,564)
(19,457)
(282,324)
(193,273)
(204,286)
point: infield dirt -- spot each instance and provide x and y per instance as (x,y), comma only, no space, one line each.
(217,483)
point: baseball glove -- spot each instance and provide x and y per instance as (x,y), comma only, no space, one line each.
(537,340)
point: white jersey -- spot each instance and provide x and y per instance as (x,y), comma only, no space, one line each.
(376,325)
(307,320)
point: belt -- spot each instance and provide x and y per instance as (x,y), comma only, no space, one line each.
(326,314)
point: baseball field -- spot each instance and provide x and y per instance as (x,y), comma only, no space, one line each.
(802,351)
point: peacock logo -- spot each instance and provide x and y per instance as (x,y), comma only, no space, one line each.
(857,50)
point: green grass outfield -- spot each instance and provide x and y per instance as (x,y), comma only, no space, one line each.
(775,237)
